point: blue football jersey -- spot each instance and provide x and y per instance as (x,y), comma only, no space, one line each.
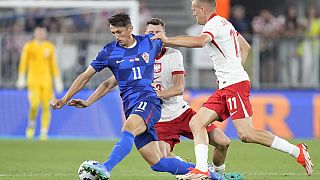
(132,67)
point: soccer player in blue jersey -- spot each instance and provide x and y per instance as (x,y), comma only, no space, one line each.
(131,59)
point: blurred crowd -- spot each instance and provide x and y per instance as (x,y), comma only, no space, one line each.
(288,43)
(81,26)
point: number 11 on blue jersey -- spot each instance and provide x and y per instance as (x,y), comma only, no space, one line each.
(136,73)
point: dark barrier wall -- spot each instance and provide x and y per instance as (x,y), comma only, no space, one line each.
(289,114)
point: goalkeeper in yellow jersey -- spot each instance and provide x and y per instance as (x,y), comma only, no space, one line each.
(38,63)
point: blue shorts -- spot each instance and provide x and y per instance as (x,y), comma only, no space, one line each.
(150,111)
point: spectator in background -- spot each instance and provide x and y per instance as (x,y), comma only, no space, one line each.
(240,21)
(12,44)
(52,24)
(266,26)
(82,22)
(289,64)
(38,61)
(144,15)
(308,50)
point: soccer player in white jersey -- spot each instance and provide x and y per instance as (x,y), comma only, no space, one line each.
(228,50)
(169,75)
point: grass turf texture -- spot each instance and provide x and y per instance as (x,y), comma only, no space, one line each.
(60,159)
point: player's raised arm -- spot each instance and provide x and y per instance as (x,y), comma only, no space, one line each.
(244,48)
(184,41)
(76,86)
(102,90)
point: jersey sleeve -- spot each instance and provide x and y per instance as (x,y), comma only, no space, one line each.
(177,66)
(100,61)
(158,45)
(210,29)
(24,59)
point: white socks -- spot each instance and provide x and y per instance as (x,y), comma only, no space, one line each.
(284,146)
(201,152)
(219,169)
(44,131)
(31,124)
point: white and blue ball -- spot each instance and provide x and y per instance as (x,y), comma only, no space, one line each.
(85,173)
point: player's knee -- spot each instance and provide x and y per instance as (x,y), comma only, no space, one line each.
(225,143)
(46,107)
(134,128)
(34,106)
(194,125)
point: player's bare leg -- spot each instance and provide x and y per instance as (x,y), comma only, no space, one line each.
(151,153)
(164,148)
(248,134)
(135,125)
(132,127)
(198,125)
(221,143)
(166,152)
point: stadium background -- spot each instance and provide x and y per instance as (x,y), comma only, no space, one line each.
(283,66)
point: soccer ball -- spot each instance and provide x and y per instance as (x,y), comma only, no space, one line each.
(85,174)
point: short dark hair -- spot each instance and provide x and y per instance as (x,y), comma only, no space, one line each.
(120,20)
(156,21)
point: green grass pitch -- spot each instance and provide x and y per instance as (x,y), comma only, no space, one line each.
(60,159)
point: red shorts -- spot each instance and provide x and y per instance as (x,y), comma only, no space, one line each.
(231,101)
(170,131)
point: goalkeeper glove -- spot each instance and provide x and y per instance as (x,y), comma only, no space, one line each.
(58,85)
(21,82)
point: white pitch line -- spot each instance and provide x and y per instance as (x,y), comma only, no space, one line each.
(153,174)
(14,175)
(275,174)
(115,174)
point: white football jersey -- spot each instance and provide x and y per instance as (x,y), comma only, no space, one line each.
(169,63)
(224,51)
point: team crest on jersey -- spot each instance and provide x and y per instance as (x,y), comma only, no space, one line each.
(145,57)
(157,67)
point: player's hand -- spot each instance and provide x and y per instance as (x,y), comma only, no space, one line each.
(21,82)
(160,36)
(58,85)
(158,92)
(153,85)
(79,103)
(56,103)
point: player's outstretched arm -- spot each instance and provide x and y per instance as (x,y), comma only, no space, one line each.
(76,86)
(102,90)
(244,48)
(184,41)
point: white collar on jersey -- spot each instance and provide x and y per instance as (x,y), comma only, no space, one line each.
(134,44)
